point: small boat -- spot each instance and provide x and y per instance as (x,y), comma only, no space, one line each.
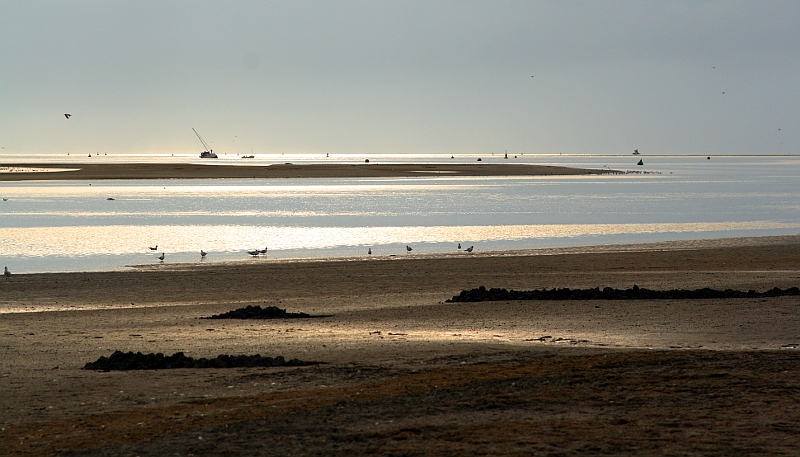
(208,153)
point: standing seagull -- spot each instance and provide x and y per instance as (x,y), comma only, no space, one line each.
(263,251)
(459,246)
(67,115)
(6,273)
(161,257)
(469,249)
(254,252)
(408,248)
(202,253)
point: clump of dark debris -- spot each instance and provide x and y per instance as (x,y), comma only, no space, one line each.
(634,293)
(137,361)
(257,312)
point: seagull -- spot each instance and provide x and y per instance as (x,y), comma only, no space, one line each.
(67,115)
(203,253)
(153,248)
(6,199)
(369,251)
(408,248)
(469,249)
(6,273)
(459,246)
(254,252)
(263,251)
(161,257)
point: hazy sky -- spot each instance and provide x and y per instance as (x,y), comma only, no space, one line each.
(669,77)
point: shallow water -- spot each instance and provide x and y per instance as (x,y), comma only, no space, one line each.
(71,226)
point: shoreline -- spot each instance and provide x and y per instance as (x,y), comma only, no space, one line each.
(32,292)
(102,171)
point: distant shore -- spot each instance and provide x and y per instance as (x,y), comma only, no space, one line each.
(74,171)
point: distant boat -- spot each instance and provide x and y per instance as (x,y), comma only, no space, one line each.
(208,153)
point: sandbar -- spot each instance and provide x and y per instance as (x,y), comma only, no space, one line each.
(97,171)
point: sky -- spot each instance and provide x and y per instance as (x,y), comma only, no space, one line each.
(427,77)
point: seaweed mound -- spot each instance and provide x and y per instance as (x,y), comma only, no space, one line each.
(634,293)
(123,361)
(257,312)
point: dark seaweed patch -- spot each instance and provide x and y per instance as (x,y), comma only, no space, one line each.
(257,312)
(137,361)
(634,293)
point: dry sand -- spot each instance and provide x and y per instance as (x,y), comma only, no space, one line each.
(97,171)
(406,373)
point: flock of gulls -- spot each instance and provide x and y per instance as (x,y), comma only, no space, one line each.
(258,252)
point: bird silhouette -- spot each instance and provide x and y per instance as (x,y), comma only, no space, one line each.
(6,273)
(254,252)
(469,249)
(153,248)
(263,251)
(408,248)
(459,246)
(67,115)
(369,251)
(203,253)
(161,257)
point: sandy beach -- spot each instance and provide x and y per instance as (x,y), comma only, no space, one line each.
(405,373)
(97,171)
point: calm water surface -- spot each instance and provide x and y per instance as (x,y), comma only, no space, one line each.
(72,226)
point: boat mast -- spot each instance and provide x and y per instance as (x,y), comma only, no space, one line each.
(205,145)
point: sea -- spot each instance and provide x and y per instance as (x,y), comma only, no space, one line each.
(104,225)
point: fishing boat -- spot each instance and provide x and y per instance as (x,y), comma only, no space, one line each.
(208,153)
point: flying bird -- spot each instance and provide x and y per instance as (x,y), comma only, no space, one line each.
(161,257)
(67,115)
(6,273)
(469,249)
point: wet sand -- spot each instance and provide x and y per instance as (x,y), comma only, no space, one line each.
(405,373)
(98,171)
